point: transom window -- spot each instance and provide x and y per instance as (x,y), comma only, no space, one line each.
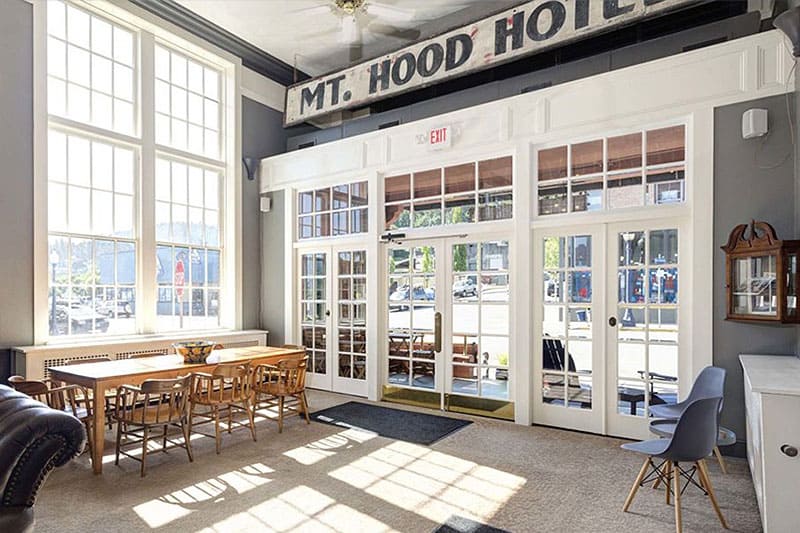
(105,208)
(91,69)
(333,211)
(636,169)
(466,193)
(187,104)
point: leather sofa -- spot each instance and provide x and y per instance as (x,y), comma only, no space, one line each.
(34,439)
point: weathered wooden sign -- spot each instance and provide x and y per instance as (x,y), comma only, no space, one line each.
(524,30)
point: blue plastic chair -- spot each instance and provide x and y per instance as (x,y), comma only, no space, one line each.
(725,437)
(710,383)
(692,441)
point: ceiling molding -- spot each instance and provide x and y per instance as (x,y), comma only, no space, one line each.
(252,57)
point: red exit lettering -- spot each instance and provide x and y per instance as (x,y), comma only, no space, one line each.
(439,136)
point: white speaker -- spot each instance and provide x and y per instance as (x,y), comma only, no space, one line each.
(266,204)
(754,123)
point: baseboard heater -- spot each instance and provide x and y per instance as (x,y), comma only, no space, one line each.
(33,361)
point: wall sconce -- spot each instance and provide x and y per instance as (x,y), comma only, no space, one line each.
(251,166)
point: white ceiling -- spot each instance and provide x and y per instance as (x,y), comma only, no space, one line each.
(298,34)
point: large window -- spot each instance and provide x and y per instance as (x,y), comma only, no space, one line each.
(631,170)
(112,221)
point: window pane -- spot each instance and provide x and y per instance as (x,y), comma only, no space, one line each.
(358,194)
(428,183)
(587,158)
(398,188)
(495,173)
(460,178)
(625,152)
(553,163)
(666,145)
(587,195)
(495,206)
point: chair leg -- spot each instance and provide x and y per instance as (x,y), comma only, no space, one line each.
(119,439)
(164,440)
(109,420)
(230,419)
(186,441)
(635,486)
(676,488)
(668,483)
(145,438)
(251,411)
(703,470)
(722,465)
(280,414)
(216,428)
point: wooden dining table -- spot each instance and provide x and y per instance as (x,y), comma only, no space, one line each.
(107,375)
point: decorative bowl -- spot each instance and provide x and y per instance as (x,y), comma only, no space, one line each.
(194,351)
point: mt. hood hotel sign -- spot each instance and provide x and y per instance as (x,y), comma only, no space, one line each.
(524,30)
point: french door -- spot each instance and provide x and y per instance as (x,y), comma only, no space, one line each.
(607,331)
(333,318)
(447,323)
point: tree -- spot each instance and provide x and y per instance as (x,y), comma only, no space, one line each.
(427,259)
(460,258)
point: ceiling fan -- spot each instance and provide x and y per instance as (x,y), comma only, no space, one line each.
(358,17)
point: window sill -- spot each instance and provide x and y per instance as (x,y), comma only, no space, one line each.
(139,338)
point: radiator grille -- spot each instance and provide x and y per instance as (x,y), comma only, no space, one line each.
(142,353)
(58,361)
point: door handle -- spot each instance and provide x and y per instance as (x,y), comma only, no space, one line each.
(437,332)
(612,321)
(789,451)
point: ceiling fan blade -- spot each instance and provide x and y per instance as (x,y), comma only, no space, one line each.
(389,12)
(409,34)
(311,11)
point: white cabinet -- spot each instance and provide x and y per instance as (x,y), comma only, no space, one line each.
(772,403)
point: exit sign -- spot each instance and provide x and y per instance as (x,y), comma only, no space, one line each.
(440,138)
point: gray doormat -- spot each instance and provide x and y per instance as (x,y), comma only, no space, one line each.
(418,428)
(460,524)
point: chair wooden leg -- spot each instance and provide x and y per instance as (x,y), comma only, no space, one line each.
(251,411)
(216,428)
(668,483)
(703,470)
(146,436)
(280,414)
(635,486)
(119,439)
(186,440)
(722,465)
(676,488)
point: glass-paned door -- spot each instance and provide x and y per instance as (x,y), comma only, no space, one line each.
(351,322)
(568,362)
(643,310)
(314,315)
(411,308)
(333,318)
(480,318)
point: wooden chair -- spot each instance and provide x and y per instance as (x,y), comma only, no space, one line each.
(227,387)
(110,394)
(286,379)
(156,403)
(72,399)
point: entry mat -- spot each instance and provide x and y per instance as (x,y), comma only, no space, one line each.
(418,428)
(460,524)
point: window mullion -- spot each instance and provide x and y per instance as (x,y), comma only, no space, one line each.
(146,280)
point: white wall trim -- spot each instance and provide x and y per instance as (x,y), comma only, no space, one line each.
(263,90)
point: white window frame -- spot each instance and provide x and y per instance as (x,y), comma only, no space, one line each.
(149,29)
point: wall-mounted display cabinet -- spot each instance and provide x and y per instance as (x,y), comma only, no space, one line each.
(761,274)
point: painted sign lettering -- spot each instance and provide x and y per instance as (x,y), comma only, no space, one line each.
(524,30)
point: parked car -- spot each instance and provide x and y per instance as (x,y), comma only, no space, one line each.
(111,308)
(419,293)
(464,287)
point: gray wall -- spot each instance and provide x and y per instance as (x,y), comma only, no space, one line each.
(262,136)
(16,177)
(744,190)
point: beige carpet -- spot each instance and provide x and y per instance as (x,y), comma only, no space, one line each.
(320,478)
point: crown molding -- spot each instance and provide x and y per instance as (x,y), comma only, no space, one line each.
(252,57)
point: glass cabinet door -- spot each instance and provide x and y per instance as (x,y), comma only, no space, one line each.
(754,286)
